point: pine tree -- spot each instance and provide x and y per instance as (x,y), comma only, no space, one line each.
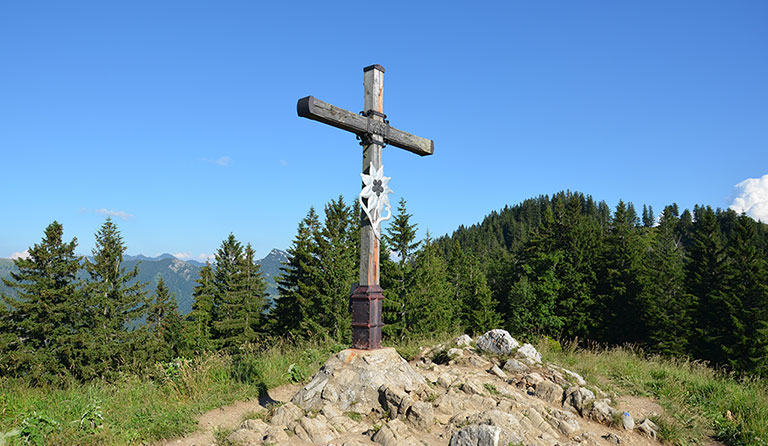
(45,317)
(297,285)
(470,292)
(115,299)
(648,218)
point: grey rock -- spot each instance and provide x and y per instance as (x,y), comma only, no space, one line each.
(421,415)
(445,380)
(497,341)
(472,388)
(532,379)
(245,437)
(528,351)
(549,392)
(495,370)
(627,421)
(648,427)
(601,412)
(286,414)
(565,422)
(515,366)
(613,438)
(314,430)
(394,401)
(255,425)
(477,435)
(275,435)
(395,433)
(578,398)
(350,380)
(455,353)
(479,362)
(463,341)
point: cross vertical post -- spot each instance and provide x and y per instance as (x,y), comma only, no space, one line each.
(366,300)
(374,131)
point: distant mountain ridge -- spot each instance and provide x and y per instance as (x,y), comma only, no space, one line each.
(179,275)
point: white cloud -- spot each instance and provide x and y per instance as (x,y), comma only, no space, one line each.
(20,255)
(222,161)
(120,214)
(752,198)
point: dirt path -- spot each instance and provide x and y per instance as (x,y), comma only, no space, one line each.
(229,417)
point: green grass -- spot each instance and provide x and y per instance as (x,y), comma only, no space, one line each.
(698,402)
(164,404)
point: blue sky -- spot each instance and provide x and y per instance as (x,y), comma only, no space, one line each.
(179,118)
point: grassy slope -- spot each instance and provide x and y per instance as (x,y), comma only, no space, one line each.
(698,402)
(142,410)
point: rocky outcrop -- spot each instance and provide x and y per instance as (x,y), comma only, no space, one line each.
(364,398)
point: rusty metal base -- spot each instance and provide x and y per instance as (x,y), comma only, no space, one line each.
(365,302)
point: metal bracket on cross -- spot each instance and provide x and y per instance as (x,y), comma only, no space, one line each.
(376,191)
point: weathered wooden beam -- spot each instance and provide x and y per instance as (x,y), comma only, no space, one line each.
(317,110)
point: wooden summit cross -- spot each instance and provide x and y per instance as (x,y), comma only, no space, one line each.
(374,132)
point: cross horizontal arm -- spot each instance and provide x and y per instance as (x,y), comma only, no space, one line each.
(317,110)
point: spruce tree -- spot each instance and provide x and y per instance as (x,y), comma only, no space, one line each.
(115,300)
(198,329)
(665,303)
(470,292)
(709,276)
(619,286)
(397,277)
(44,319)
(298,283)
(164,324)
(429,307)
(747,353)
(337,262)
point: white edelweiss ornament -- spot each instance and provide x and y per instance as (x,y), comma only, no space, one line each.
(376,190)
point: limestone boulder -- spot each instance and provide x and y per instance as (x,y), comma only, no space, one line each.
(497,341)
(286,414)
(515,366)
(395,433)
(549,392)
(528,353)
(463,341)
(395,401)
(578,398)
(350,380)
(601,412)
(421,415)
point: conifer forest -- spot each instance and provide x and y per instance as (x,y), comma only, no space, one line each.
(683,283)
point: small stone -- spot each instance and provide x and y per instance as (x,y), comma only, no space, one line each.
(613,438)
(577,398)
(421,415)
(395,433)
(528,351)
(648,427)
(275,435)
(330,411)
(286,414)
(515,366)
(627,421)
(479,362)
(245,437)
(531,379)
(601,412)
(565,422)
(394,401)
(477,435)
(549,392)
(472,388)
(317,429)
(445,380)
(495,370)
(255,425)
(497,341)
(455,353)
(463,341)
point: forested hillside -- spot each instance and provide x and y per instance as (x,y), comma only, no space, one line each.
(678,283)
(567,267)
